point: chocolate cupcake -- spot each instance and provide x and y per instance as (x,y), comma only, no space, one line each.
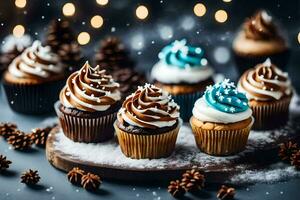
(33,80)
(88,105)
(260,38)
(184,72)
(269,91)
(148,124)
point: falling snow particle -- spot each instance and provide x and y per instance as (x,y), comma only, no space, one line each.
(137,195)
(267,193)
(113,29)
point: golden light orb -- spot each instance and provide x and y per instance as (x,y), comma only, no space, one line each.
(221,16)
(102,2)
(20,3)
(18,31)
(199,9)
(83,38)
(227,1)
(97,21)
(299,37)
(142,12)
(68,9)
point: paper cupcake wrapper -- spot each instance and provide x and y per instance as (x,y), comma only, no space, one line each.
(244,63)
(32,99)
(147,146)
(221,142)
(271,115)
(186,103)
(87,130)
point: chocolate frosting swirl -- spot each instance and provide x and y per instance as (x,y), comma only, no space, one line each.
(260,27)
(149,107)
(265,82)
(90,89)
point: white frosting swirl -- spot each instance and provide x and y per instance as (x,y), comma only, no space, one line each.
(205,113)
(20,43)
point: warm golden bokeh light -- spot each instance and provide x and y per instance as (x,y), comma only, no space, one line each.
(69,9)
(142,12)
(83,38)
(227,1)
(97,21)
(299,37)
(20,3)
(199,9)
(18,31)
(221,16)
(102,2)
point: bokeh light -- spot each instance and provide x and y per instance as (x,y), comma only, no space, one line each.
(83,38)
(227,1)
(102,2)
(97,21)
(299,37)
(199,9)
(221,16)
(20,3)
(221,55)
(18,31)
(69,9)
(142,12)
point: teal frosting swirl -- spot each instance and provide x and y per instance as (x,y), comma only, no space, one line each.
(225,97)
(180,55)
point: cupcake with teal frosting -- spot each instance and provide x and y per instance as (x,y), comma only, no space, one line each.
(222,120)
(184,72)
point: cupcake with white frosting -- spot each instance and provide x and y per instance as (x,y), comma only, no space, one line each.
(222,120)
(33,80)
(269,91)
(184,72)
(88,105)
(148,123)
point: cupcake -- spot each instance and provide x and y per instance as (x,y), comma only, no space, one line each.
(269,91)
(148,124)
(88,105)
(183,71)
(33,80)
(260,38)
(221,120)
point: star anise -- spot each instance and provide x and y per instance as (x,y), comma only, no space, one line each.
(295,160)
(192,180)
(175,189)
(286,150)
(90,181)
(7,129)
(226,193)
(75,175)
(39,136)
(4,163)
(20,140)
(30,177)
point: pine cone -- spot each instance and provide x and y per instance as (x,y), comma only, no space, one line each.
(226,193)
(70,54)
(295,160)
(90,181)
(286,150)
(192,180)
(175,189)
(30,177)
(75,175)
(20,140)
(39,136)
(7,129)
(4,163)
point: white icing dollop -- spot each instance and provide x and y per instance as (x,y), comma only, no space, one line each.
(20,43)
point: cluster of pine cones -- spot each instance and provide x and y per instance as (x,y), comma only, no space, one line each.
(290,152)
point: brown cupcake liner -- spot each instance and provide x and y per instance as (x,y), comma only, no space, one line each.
(271,115)
(147,146)
(87,130)
(221,142)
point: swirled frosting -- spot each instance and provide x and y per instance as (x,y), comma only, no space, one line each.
(149,107)
(222,103)
(36,62)
(90,89)
(260,26)
(265,82)
(182,63)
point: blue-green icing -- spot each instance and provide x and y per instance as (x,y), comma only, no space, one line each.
(181,55)
(224,97)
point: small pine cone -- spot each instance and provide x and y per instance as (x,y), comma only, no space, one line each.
(226,193)
(70,54)
(286,150)
(192,180)
(30,177)
(4,163)
(7,129)
(75,175)
(90,181)
(39,136)
(295,160)
(175,189)
(20,141)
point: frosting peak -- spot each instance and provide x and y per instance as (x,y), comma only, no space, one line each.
(149,107)
(90,89)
